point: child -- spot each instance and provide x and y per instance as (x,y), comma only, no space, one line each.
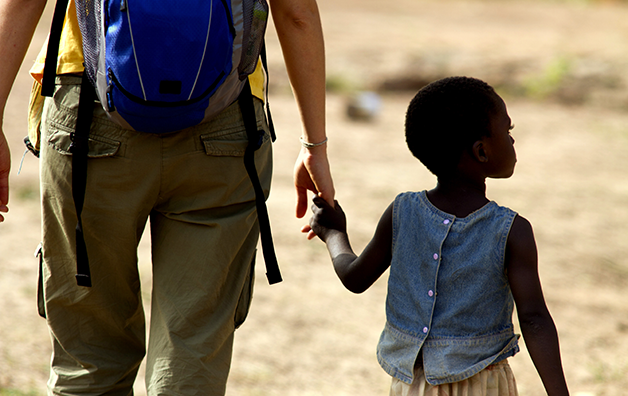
(458,261)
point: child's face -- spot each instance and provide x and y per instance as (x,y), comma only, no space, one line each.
(500,145)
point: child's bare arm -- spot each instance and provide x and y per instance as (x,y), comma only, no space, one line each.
(357,273)
(537,325)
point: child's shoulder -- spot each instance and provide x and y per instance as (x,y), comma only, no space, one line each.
(411,197)
(410,194)
(410,201)
(521,232)
(503,210)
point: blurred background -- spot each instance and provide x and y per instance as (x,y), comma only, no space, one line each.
(561,67)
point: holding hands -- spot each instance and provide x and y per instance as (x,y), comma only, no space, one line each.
(326,220)
(312,173)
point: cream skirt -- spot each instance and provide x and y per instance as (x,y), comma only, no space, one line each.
(495,380)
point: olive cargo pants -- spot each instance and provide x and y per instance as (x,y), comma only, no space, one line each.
(193,188)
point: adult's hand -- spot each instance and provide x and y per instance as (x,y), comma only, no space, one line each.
(312,173)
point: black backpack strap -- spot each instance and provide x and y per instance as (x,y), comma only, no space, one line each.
(79,149)
(80,137)
(52,52)
(255,141)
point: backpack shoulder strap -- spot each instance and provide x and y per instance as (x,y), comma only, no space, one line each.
(255,141)
(80,137)
(52,51)
(80,149)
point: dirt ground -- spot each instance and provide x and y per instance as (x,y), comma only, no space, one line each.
(560,66)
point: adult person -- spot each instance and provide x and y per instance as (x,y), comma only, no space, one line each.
(200,203)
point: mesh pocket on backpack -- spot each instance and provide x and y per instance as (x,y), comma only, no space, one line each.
(255,20)
(89,20)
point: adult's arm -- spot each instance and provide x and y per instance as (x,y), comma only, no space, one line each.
(18,20)
(301,37)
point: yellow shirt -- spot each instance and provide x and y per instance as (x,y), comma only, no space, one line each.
(70,61)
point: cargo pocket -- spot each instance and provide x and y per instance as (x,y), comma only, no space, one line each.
(226,144)
(225,140)
(60,138)
(244,302)
(59,122)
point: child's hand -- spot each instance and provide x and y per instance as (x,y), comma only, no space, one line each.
(325,220)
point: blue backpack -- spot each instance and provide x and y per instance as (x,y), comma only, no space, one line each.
(160,66)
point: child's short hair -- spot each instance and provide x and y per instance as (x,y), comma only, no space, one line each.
(445,118)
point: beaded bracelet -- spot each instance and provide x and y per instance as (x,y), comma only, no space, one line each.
(310,145)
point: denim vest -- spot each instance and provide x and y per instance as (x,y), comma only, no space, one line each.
(448,292)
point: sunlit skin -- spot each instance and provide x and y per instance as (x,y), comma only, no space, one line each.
(460,194)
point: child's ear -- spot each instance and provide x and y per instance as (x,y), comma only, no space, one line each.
(479,152)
